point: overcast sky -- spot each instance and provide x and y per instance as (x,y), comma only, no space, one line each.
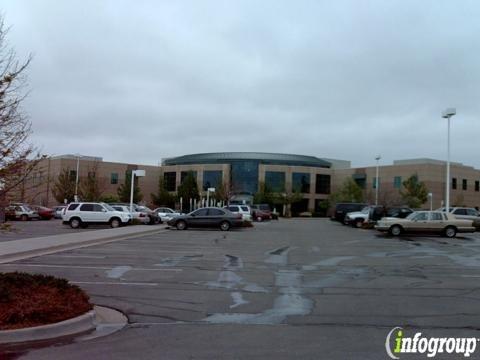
(137,81)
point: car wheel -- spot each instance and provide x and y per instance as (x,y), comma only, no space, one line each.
(75,223)
(345,221)
(259,218)
(224,226)
(115,223)
(395,230)
(147,220)
(181,225)
(358,224)
(24,217)
(450,231)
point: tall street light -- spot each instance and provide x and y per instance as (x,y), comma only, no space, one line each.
(447,114)
(137,173)
(76,178)
(378,157)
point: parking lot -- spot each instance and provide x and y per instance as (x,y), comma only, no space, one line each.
(303,288)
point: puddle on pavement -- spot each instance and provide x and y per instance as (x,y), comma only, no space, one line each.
(238,300)
(117,271)
(278,256)
(173,261)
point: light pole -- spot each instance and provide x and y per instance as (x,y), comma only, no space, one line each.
(75,197)
(447,114)
(430,196)
(378,157)
(137,173)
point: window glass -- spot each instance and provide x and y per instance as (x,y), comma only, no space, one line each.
(169,180)
(184,174)
(114,178)
(86,207)
(211,179)
(374,184)
(437,216)
(168,211)
(397,182)
(215,212)
(244,208)
(108,207)
(301,182)
(200,212)
(322,185)
(477,185)
(98,207)
(464,184)
(421,216)
(244,177)
(472,212)
(454,183)
(460,212)
(233,208)
(275,180)
(118,208)
(72,206)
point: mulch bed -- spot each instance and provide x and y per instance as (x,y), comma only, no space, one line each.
(28,300)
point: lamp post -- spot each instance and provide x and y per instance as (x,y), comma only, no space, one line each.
(430,196)
(378,157)
(137,173)
(447,114)
(75,197)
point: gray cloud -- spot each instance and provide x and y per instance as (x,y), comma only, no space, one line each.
(139,81)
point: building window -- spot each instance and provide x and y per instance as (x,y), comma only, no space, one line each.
(212,179)
(184,174)
(301,182)
(374,184)
(244,177)
(454,183)
(464,184)
(114,178)
(322,185)
(91,174)
(275,180)
(477,185)
(170,180)
(397,182)
(73,175)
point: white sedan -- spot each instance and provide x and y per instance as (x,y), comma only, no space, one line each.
(166,213)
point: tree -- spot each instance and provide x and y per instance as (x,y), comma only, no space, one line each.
(264,195)
(91,187)
(287,199)
(64,187)
(222,192)
(17,156)
(124,189)
(188,190)
(415,193)
(163,197)
(349,192)
(109,198)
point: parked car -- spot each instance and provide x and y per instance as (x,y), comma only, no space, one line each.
(207,217)
(243,210)
(369,214)
(20,212)
(426,222)
(81,214)
(58,211)
(261,211)
(399,212)
(342,209)
(44,213)
(166,213)
(465,213)
(141,213)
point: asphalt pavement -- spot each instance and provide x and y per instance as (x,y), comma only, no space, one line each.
(304,289)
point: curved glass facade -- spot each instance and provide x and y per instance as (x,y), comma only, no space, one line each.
(244,177)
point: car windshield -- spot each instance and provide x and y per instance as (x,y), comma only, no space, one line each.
(412,215)
(365,210)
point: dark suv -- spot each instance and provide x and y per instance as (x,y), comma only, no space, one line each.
(342,209)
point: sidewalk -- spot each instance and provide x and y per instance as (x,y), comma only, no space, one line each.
(26,248)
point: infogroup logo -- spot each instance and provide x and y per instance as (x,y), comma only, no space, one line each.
(397,344)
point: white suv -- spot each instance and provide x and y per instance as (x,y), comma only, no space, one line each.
(243,210)
(82,214)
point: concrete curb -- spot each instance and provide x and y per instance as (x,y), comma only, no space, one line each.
(27,248)
(109,320)
(73,326)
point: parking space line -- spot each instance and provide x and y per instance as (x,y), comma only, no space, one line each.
(91,267)
(112,283)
